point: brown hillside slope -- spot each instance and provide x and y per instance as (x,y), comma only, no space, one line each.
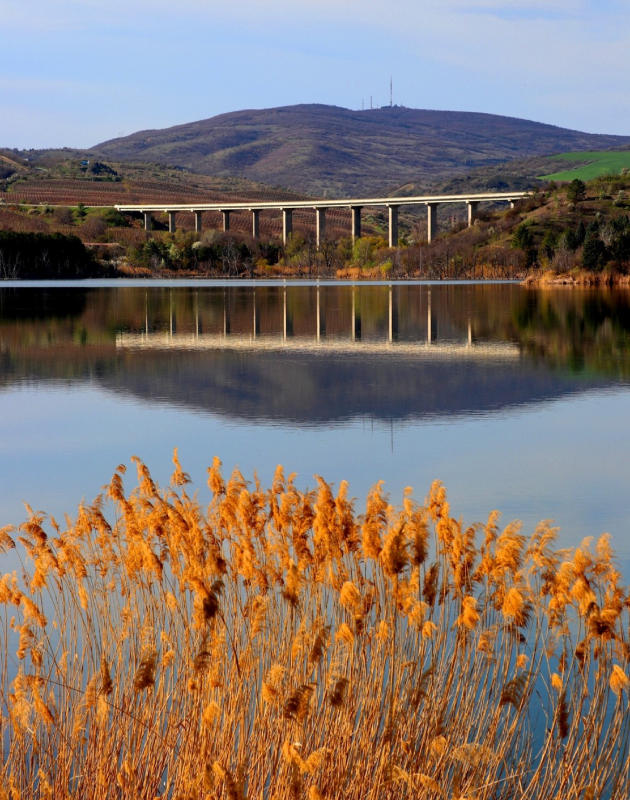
(330,151)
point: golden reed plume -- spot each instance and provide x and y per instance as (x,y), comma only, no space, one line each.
(276,644)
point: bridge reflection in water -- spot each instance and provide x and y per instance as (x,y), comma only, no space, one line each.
(319,354)
(326,335)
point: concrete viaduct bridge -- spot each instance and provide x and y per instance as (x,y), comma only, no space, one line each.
(320,206)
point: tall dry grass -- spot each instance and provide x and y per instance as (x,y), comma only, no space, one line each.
(278,645)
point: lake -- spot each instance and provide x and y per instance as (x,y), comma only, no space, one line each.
(516,398)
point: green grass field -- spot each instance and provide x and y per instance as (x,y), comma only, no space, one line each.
(601,163)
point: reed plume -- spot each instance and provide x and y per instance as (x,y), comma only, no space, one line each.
(279,644)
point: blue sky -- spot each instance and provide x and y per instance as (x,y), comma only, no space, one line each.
(77,72)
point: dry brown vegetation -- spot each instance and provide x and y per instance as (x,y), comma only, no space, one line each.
(278,645)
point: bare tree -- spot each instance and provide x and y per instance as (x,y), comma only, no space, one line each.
(230,258)
(327,255)
(9,268)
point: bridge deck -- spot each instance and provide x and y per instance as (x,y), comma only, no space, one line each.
(356,202)
(163,340)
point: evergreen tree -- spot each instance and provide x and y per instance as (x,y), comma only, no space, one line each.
(594,253)
(576,191)
(549,244)
(567,241)
(522,238)
(579,236)
(592,229)
(620,250)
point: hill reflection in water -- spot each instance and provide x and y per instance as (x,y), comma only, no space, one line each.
(313,355)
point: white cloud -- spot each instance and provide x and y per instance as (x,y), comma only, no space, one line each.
(72,15)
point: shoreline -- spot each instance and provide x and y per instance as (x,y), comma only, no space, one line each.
(245,281)
(579,280)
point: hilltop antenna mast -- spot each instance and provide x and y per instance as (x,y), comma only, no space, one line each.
(391,91)
(370,102)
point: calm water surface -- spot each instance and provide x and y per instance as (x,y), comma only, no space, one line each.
(516,399)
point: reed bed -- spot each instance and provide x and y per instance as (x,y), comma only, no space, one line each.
(276,644)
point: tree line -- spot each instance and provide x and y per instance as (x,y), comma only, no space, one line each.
(28,256)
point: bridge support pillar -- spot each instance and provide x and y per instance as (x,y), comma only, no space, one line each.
(172,315)
(393,314)
(198,215)
(356,317)
(287,318)
(287,224)
(256,223)
(319,316)
(226,220)
(148,220)
(393,226)
(256,316)
(512,203)
(227,322)
(356,222)
(473,205)
(172,226)
(320,220)
(432,227)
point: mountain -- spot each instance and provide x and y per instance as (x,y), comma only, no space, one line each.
(336,152)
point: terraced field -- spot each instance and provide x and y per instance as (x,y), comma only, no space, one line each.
(71,192)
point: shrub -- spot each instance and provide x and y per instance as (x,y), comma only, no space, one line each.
(63,216)
(115,219)
(94,228)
